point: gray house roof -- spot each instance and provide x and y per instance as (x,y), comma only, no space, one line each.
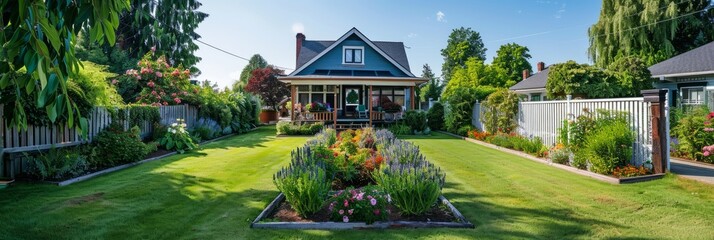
(698,61)
(535,81)
(310,49)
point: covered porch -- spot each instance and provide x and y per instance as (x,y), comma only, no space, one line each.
(343,101)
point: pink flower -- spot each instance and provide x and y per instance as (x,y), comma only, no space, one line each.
(175,73)
(153,93)
(347,204)
(345,219)
(350,211)
(151,84)
(159,74)
(173,95)
(186,72)
(706,153)
(342,212)
(376,212)
(332,206)
(708,129)
(114,82)
(360,196)
(373,201)
(138,77)
(177,100)
(165,103)
(153,49)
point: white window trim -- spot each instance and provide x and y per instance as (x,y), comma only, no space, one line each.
(690,102)
(324,93)
(344,48)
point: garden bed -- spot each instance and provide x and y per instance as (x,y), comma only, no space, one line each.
(601,177)
(279,215)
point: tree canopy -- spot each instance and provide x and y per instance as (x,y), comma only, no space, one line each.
(264,82)
(624,78)
(255,62)
(513,58)
(39,37)
(653,30)
(463,43)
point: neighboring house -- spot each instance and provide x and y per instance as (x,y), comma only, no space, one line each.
(355,76)
(689,77)
(532,88)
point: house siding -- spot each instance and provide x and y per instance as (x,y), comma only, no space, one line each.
(332,60)
(674,85)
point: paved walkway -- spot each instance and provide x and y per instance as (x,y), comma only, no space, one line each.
(692,170)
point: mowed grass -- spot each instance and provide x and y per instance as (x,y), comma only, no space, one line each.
(214,193)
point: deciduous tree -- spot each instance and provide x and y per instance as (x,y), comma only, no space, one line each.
(513,59)
(264,82)
(463,44)
(255,62)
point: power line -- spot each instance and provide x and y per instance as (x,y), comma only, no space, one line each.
(235,55)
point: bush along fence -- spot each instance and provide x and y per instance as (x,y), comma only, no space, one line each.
(15,142)
(571,125)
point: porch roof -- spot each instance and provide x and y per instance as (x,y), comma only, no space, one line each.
(352,80)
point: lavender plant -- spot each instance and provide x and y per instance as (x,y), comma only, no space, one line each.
(402,152)
(304,182)
(413,187)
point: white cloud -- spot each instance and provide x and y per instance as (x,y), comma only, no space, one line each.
(412,35)
(298,28)
(560,11)
(440,16)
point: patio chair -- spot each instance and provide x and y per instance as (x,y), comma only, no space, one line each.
(361,111)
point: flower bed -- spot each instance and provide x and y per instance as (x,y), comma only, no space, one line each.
(361,178)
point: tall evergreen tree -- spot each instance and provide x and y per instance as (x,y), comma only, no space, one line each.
(513,58)
(255,62)
(432,88)
(463,44)
(653,30)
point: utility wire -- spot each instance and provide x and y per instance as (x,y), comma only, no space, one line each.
(235,55)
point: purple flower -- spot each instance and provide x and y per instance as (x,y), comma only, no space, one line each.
(373,201)
(345,219)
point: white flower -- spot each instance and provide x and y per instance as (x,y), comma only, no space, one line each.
(174,124)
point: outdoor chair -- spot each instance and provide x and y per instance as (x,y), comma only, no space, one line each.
(361,111)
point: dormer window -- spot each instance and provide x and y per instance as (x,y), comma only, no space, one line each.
(353,55)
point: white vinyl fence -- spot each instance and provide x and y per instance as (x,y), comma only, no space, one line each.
(543,119)
(43,137)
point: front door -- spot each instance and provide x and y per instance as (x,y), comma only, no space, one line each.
(352,98)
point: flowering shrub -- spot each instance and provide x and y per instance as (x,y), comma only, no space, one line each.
(160,83)
(630,171)
(178,138)
(560,154)
(368,204)
(316,107)
(413,187)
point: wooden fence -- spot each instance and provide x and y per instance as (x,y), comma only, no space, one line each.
(543,119)
(13,139)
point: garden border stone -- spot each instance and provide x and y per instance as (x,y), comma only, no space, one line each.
(604,178)
(124,166)
(463,222)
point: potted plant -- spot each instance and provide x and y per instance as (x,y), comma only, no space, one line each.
(391,107)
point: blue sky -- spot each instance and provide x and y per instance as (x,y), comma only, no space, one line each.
(553,30)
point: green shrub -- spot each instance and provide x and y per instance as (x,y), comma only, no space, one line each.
(464,130)
(609,147)
(413,187)
(690,132)
(304,184)
(560,156)
(435,117)
(580,160)
(114,146)
(57,164)
(296,128)
(203,133)
(400,129)
(177,138)
(501,108)
(416,120)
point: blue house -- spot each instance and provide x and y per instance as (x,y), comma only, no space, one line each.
(688,76)
(358,80)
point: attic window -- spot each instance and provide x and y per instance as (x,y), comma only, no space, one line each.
(353,55)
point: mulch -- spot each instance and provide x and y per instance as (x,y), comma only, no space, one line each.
(438,213)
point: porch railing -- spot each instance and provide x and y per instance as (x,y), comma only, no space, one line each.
(318,116)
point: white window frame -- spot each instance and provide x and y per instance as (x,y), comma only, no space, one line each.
(689,101)
(324,93)
(344,50)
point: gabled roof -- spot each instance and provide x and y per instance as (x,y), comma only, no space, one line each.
(535,81)
(393,51)
(698,61)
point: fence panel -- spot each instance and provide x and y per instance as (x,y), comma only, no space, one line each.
(544,119)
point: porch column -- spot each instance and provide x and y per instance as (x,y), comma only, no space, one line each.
(334,108)
(369,104)
(293,102)
(412,98)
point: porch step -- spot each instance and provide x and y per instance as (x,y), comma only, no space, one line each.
(345,126)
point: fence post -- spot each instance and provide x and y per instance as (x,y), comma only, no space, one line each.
(569,114)
(660,156)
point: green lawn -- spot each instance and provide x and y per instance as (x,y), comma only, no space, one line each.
(217,191)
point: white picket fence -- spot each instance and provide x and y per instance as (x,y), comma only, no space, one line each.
(43,137)
(543,119)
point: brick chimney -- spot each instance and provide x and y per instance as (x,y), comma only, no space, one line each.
(298,45)
(526,74)
(541,66)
